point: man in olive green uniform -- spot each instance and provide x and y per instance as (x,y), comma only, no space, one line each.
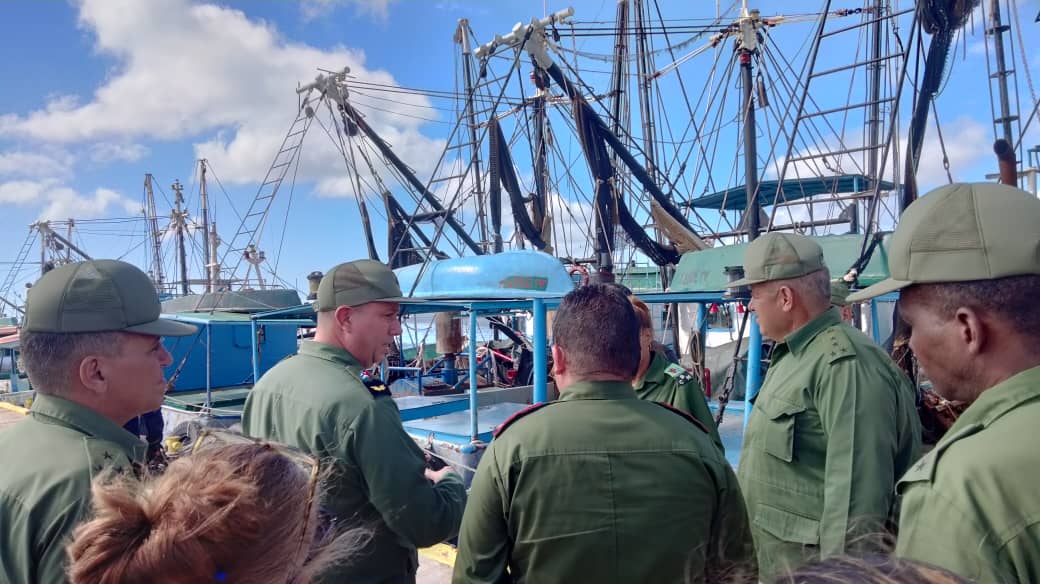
(601,486)
(834,424)
(317,401)
(91,344)
(966,259)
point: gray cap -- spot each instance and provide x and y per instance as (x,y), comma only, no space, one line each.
(962,232)
(98,296)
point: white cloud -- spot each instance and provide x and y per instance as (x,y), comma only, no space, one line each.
(378,9)
(968,146)
(21,192)
(61,202)
(65,202)
(192,70)
(962,137)
(35,164)
(103,152)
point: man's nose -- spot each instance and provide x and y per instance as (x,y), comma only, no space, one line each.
(165,358)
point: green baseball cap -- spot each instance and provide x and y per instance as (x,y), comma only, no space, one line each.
(780,256)
(962,232)
(98,296)
(359,282)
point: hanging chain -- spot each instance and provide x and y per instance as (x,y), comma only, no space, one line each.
(942,144)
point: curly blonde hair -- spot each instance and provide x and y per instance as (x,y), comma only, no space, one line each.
(229,513)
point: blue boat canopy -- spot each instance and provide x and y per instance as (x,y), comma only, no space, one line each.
(508,275)
(735,199)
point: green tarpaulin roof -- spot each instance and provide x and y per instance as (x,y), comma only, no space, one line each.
(735,199)
(703,271)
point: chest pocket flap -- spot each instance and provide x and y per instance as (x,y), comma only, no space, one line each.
(778,426)
(787,526)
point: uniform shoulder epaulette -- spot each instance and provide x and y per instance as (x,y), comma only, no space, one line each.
(376,387)
(679,373)
(685,415)
(509,421)
(837,345)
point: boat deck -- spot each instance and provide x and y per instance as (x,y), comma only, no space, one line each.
(224,399)
(9,414)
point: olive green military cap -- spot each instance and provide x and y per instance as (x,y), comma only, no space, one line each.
(98,296)
(779,256)
(962,232)
(359,282)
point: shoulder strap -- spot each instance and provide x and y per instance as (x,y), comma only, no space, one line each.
(838,345)
(681,375)
(685,415)
(376,387)
(509,421)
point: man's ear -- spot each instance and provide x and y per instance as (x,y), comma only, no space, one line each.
(91,374)
(971,329)
(342,315)
(559,360)
(786,298)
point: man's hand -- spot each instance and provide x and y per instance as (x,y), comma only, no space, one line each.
(436,475)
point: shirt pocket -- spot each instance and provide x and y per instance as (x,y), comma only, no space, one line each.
(778,427)
(787,526)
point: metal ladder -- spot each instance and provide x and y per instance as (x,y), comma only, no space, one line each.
(252,225)
(16,269)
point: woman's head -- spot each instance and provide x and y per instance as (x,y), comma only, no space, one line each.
(234,512)
(646,334)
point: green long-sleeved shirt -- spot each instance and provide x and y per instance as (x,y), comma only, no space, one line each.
(602,487)
(970,505)
(316,401)
(833,427)
(669,383)
(48,462)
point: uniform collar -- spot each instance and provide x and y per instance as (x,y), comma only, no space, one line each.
(654,370)
(797,341)
(991,405)
(79,417)
(329,353)
(999,400)
(598,390)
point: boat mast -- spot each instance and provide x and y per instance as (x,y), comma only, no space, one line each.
(462,37)
(618,99)
(997,30)
(747,47)
(873,113)
(153,223)
(179,225)
(205,226)
(214,265)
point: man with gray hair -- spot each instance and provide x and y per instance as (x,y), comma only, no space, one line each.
(966,261)
(92,346)
(834,424)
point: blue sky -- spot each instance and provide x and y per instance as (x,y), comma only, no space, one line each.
(99,92)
